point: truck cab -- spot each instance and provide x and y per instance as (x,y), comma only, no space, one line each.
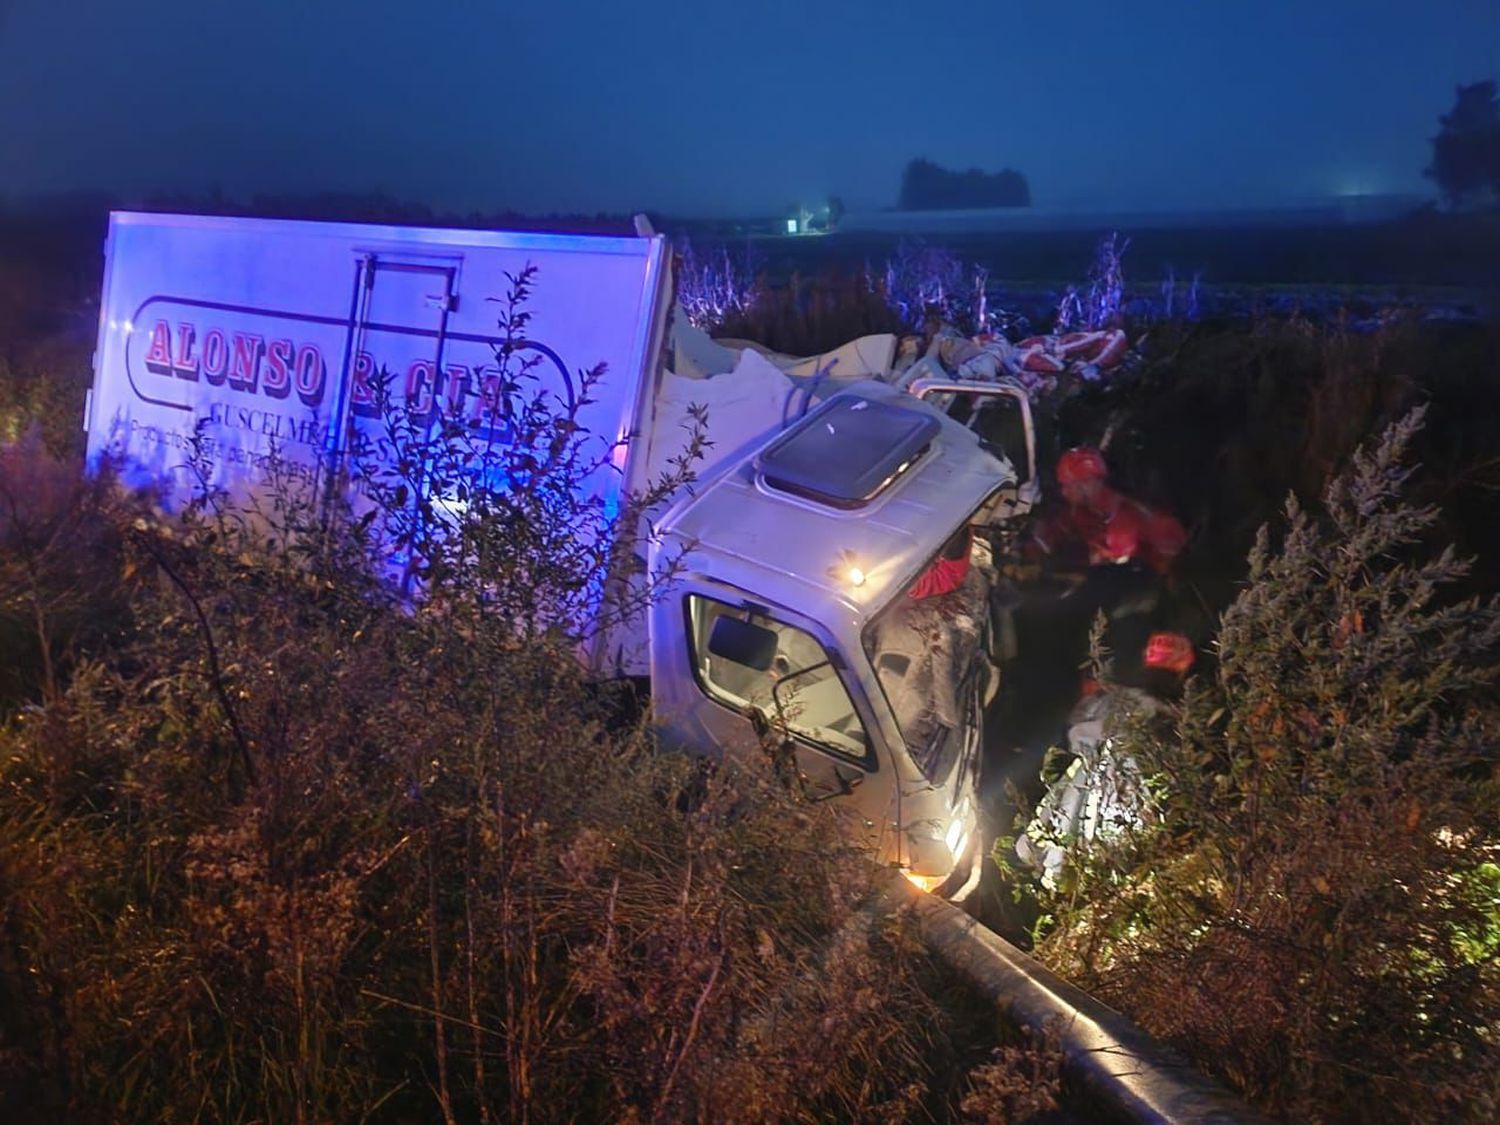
(792,628)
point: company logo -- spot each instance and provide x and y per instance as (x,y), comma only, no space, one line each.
(242,361)
(277,355)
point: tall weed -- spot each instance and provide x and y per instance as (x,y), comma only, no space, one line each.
(1308,906)
(302,845)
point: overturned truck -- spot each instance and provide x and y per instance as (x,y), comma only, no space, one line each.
(832,599)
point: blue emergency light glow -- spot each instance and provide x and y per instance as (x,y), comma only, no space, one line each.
(261,342)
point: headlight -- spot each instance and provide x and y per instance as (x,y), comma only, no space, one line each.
(928,883)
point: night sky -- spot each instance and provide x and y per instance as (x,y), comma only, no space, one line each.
(703,108)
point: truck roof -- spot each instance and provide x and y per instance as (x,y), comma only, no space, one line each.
(786,536)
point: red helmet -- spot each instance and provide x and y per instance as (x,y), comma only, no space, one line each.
(1170,651)
(1081,464)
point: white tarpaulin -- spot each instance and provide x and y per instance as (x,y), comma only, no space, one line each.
(868,357)
(743,405)
(695,355)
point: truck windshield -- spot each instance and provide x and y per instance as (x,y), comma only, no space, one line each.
(926,648)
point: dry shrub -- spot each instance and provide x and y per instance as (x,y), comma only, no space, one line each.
(713,285)
(40,400)
(1021,1082)
(449,888)
(60,560)
(296,849)
(1312,906)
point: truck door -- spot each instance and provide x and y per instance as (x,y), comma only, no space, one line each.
(402,307)
(767,683)
(1000,414)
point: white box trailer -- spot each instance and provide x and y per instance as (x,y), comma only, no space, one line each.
(270,333)
(794,620)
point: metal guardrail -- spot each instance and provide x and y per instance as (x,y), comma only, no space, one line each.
(1112,1070)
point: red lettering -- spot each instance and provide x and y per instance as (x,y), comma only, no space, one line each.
(244,372)
(215,357)
(419,388)
(455,389)
(277,380)
(159,355)
(186,363)
(309,374)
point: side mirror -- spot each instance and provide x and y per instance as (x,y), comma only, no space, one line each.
(847,779)
(743,643)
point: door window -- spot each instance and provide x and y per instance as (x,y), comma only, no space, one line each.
(751,663)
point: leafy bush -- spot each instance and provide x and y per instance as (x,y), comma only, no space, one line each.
(1223,420)
(1309,907)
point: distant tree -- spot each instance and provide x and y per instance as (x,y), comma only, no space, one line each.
(926,186)
(835,210)
(1466,151)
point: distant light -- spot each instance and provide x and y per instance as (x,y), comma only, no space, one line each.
(856,576)
(1355,184)
(128,327)
(791,226)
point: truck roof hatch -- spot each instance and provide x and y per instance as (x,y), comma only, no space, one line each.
(845,453)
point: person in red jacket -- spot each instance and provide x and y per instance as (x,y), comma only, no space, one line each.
(1101,526)
(1116,557)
